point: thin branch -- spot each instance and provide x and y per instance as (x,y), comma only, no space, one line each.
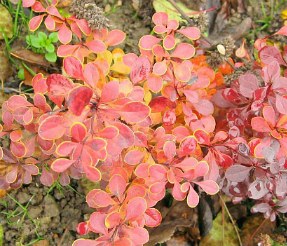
(232,221)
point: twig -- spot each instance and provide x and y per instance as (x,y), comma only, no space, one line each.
(186,17)
(232,221)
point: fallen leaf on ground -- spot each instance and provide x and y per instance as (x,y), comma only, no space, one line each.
(4,65)
(30,57)
(221,232)
(6,23)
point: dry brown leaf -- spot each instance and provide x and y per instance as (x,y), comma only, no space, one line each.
(30,57)
(4,65)
(42,243)
(64,3)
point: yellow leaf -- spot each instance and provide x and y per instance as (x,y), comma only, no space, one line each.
(6,23)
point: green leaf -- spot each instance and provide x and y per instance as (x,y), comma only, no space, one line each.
(33,40)
(6,23)
(222,232)
(21,74)
(51,57)
(50,48)
(167,7)
(53,37)
(42,36)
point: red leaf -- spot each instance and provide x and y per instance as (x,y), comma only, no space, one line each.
(192,33)
(58,88)
(133,214)
(62,164)
(115,37)
(65,34)
(281,104)
(248,83)
(117,185)
(99,199)
(35,22)
(134,112)
(110,92)
(79,98)
(134,157)
(140,70)
(259,124)
(152,217)
(53,127)
(73,67)
(78,131)
(91,74)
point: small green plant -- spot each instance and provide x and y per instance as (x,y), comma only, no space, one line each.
(43,44)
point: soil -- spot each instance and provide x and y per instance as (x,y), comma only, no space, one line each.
(52,215)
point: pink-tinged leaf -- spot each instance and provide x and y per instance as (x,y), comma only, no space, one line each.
(188,145)
(281,104)
(38,7)
(148,41)
(67,50)
(269,115)
(113,219)
(155,83)
(269,54)
(169,149)
(79,98)
(160,68)
(91,74)
(223,160)
(109,132)
(1,153)
(169,42)
(110,92)
(99,199)
(248,83)
(158,29)
(237,173)
(141,206)
(66,148)
(182,71)
(18,149)
(134,112)
(200,170)
(204,107)
(134,157)
(160,18)
(17,101)
(183,51)
(50,23)
(52,10)
(115,37)
(82,228)
(84,26)
(78,131)
(192,198)
(12,175)
(138,235)
(192,33)
(209,186)
(65,34)
(35,22)
(140,69)
(97,224)
(73,67)
(92,173)
(282,31)
(62,164)
(117,185)
(141,170)
(47,178)
(259,124)
(96,46)
(202,137)
(28,3)
(123,241)
(16,135)
(58,88)
(159,104)
(152,217)
(53,127)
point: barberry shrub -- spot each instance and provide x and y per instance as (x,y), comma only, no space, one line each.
(144,125)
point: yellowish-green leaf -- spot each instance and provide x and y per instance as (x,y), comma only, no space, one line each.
(167,7)
(1,235)
(6,23)
(222,233)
